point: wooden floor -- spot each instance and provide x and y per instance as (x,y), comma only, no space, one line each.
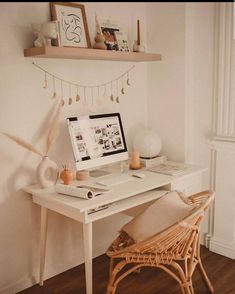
(220,269)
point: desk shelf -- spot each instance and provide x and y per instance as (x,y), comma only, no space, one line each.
(91,54)
(125,204)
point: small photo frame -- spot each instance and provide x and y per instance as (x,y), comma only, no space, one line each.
(122,41)
(73,28)
(108,29)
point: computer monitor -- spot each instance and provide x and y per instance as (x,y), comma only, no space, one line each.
(97,140)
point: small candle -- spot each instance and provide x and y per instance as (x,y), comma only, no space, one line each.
(135,160)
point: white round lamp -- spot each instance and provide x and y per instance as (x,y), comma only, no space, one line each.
(148,143)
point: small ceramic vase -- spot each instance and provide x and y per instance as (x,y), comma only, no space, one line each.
(138,48)
(46,173)
(66,176)
(99,42)
(135,46)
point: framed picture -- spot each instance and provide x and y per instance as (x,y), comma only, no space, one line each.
(108,29)
(73,28)
(122,41)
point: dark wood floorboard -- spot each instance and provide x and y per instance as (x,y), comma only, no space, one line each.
(221,271)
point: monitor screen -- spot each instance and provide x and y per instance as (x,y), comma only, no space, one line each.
(97,140)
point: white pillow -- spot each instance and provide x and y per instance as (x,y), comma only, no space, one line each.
(163,213)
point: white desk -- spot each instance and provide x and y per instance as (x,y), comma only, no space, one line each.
(121,197)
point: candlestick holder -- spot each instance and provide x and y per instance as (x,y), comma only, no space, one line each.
(137,47)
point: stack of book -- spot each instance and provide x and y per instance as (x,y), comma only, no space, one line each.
(153,161)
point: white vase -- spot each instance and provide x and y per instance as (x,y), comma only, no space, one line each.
(46,173)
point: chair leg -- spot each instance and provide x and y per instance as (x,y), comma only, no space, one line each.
(187,288)
(191,287)
(205,277)
(189,278)
(183,290)
(111,288)
(182,277)
(111,267)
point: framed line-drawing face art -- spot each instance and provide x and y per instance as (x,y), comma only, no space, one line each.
(73,28)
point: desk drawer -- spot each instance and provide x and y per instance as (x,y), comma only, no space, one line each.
(188,185)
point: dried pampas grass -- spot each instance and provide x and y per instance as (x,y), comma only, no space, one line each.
(53,128)
(52,132)
(22,143)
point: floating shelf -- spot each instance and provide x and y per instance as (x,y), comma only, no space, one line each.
(91,54)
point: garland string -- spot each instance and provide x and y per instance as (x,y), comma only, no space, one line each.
(77,86)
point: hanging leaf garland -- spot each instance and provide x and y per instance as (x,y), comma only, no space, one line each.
(70,96)
(111,96)
(122,90)
(128,80)
(117,98)
(99,87)
(54,93)
(77,96)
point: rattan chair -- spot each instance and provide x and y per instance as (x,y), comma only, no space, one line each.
(176,250)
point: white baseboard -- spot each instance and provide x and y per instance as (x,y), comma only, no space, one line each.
(29,281)
(222,248)
(18,285)
(202,239)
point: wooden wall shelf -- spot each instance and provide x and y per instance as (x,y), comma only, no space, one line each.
(91,54)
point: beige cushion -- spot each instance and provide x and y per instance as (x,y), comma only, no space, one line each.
(163,213)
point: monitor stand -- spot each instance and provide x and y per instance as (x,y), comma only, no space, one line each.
(99,173)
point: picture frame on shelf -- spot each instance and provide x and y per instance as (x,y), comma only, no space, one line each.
(73,28)
(122,41)
(108,29)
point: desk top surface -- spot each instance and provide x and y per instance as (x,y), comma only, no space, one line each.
(135,186)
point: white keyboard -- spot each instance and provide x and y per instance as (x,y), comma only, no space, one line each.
(114,179)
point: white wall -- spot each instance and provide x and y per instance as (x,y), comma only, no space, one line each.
(199,80)
(166,80)
(25,108)
(180,88)
(199,74)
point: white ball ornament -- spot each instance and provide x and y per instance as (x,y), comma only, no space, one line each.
(148,143)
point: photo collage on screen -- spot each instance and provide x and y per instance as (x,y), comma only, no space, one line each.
(81,145)
(108,137)
(98,137)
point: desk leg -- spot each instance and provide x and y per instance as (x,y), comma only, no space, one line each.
(43,239)
(87,241)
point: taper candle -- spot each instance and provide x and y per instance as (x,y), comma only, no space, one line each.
(138,32)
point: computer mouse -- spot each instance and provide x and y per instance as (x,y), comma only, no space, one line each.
(139,175)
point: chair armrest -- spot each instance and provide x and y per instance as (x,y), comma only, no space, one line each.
(200,197)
